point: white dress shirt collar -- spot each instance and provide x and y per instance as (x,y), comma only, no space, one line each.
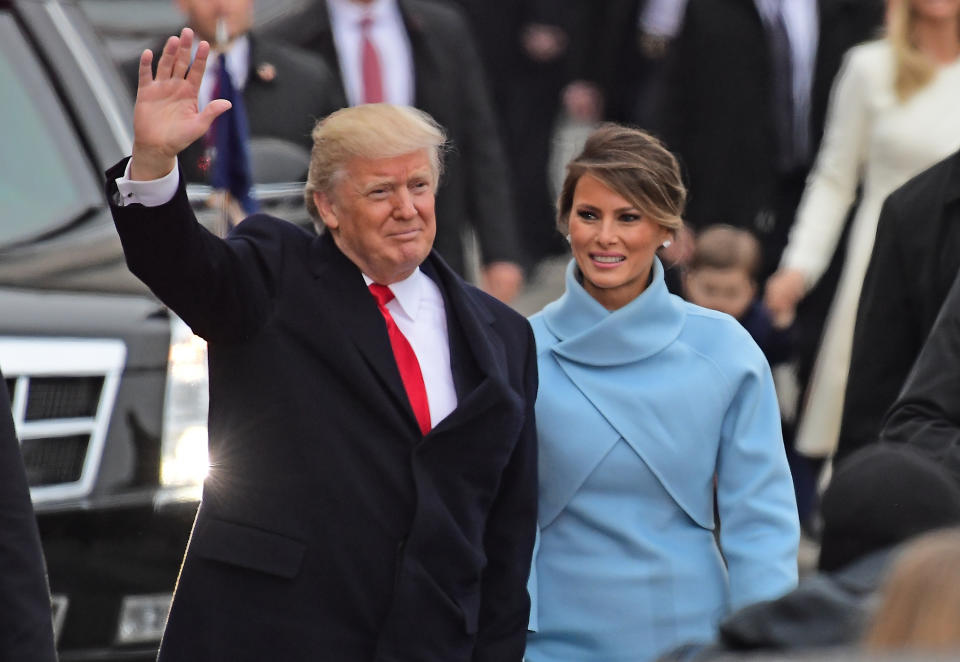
(349,12)
(408,293)
(238,65)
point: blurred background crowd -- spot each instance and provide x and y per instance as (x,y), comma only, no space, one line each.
(794,122)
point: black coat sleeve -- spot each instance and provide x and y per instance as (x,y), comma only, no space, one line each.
(223,289)
(927,412)
(509,539)
(26,630)
(885,340)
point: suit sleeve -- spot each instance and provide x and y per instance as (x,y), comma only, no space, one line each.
(927,412)
(489,199)
(223,289)
(833,182)
(26,630)
(759,527)
(509,540)
(884,340)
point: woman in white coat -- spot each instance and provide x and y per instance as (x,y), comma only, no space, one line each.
(894,111)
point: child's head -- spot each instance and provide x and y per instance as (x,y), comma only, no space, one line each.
(722,273)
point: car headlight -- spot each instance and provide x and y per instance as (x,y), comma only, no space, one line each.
(143,617)
(184,443)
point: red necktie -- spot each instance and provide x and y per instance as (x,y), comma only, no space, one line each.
(370,65)
(405,358)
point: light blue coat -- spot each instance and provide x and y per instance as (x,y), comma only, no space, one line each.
(638,410)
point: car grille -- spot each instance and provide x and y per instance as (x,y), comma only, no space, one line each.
(61,394)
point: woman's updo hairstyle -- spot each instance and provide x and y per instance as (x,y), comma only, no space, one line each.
(633,164)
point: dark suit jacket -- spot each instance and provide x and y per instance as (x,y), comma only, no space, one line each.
(288,89)
(449,85)
(330,528)
(716,111)
(916,258)
(927,412)
(26,631)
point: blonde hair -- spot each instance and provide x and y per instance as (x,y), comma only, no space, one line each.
(632,164)
(726,247)
(920,606)
(370,131)
(913,69)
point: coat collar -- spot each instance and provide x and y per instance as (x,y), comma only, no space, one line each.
(590,334)
(355,310)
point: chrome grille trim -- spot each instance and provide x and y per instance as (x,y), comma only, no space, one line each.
(25,358)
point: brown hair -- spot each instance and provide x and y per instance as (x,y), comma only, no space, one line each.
(920,607)
(726,247)
(370,131)
(913,68)
(633,164)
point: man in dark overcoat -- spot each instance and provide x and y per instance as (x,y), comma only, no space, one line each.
(449,83)
(372,491)
(916,258)
(26,630)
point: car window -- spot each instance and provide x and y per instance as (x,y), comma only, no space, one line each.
(45,180)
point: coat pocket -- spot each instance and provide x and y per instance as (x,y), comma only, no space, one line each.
(247,547)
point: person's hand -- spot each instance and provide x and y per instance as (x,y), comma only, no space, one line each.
(502,280)
(166,118)
(783,292)
(583,101)
(543,43)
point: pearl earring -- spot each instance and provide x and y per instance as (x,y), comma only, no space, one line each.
(666,243)
(568,239)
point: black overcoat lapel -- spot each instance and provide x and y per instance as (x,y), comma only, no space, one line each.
(350,306)
(488,354)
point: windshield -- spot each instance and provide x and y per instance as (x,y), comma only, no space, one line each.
(44,179)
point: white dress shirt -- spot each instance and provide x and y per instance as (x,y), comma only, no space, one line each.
(417,306)
(238,66)
(389,36)
(418,310)
(802,21)
(663,17)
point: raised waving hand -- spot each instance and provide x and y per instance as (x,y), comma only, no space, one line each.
(166,118)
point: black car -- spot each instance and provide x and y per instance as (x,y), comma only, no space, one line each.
(108,388)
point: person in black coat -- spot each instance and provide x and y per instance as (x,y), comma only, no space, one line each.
(351,513)
(26,629)
(286,89)
(450,85)
(916,258)
(717,112)
(926,414)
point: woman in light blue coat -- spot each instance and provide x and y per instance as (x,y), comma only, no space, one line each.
(648,406)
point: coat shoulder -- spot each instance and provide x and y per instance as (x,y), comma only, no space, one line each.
(721,339)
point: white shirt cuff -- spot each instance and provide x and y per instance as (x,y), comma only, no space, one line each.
(149,193)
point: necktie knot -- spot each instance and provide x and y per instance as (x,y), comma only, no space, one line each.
(381,293)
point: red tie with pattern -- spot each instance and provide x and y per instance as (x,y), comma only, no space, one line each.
(405,358)
(370,65)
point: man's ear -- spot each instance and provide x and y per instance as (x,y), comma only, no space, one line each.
(327,212)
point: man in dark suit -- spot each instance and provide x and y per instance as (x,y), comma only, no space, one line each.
(926,414)
(916,258)
(285,90)
(26,630)
(372,493)
(428,60)
(720,115)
